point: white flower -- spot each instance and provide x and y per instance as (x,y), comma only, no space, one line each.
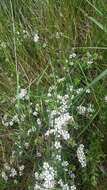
(35,113)
(59,97)
(39,122)
(45,165)
(71,63)
(21,168)
(11,123)
(59,118)
(65,163)
(65,135)
(13,172)
(73,55)
(36,175)
(37,187)
(31,130)
(47,176)
(65,187)
(25,34)
(79,90)
(58,34)
(71,88)
(57,145)
(105,98)
(15,118)
(15,181)
(22,94)
(36,38)
(49,94)
(90,109)
(81,110)
(4,176)
(60,79)
(44,45)
(26,145)
(81,156)
(60,182)
(38,154)
(6,124)
(66,61)
(58,157)
(6,166)
(88,91)
(90,62)
(73,187)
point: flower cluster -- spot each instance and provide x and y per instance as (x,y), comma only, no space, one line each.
(83,110)
(59,118)
(57,130)
(46,179)
(10,121)
(22,95)
(36,38)
(105,99)
(10,172)
(66,186)
(60,122)
(81,155)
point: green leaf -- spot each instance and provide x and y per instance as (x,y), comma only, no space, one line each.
(98,24)
(99,77)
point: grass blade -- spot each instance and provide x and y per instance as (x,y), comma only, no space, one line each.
(98,24)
